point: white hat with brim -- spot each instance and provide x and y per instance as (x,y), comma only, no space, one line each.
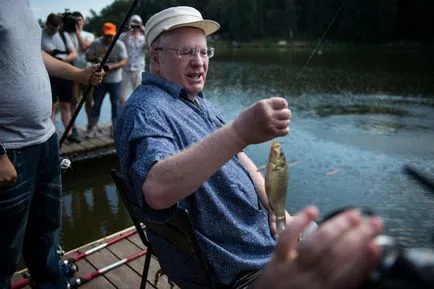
(177,17)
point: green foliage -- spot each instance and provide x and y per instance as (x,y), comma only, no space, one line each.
(366,21)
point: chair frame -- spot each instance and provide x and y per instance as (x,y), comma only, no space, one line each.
(126,197)
(178,231)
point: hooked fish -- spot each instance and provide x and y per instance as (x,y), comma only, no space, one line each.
(276,184)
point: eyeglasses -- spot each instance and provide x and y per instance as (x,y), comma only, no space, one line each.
(188,53)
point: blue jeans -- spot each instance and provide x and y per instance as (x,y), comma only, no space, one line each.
(30,216)
(114,90)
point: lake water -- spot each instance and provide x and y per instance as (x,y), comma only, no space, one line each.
(358,117)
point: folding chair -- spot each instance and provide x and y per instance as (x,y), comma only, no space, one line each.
(132,205)
(179,232)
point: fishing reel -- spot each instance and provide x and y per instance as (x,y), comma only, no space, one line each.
(398,267)
(65,164)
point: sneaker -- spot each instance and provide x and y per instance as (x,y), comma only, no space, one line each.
(74,137)
(92,132)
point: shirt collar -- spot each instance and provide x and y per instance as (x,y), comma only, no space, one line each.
(174,89)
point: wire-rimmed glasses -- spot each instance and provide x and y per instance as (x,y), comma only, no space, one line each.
(188,53)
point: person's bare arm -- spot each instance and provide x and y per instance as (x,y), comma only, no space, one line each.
(58,68)
(178,176)
(123,62)
(72,55)
(83,43)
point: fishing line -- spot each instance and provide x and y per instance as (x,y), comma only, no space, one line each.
(102,63)
(318,44)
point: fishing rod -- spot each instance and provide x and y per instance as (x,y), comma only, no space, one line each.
(100,67)
(76,282)
(318,43)
(68,265)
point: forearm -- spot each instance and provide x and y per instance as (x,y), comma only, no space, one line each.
(71,57)
(257,178)
(118,64)
(59,68)
(82,43)
(178,176)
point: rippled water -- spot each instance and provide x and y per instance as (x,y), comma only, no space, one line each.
(359,116)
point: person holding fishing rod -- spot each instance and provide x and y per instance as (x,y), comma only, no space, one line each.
(176,152)
(30,177)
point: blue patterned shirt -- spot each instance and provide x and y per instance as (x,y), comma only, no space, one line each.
(231,224)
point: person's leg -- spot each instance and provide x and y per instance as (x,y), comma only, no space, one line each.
(15,202)
(136,79)
(54,98)
(65,113)
(125,83)
(98,98)
(88,106)
(68,104)
(42,236)
(115,94)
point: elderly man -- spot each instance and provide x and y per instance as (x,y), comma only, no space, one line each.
(177,153)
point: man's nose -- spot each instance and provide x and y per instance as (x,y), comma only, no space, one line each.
(197,58)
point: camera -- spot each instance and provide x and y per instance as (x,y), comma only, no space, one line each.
(398,267)
(69,22)
(134,26)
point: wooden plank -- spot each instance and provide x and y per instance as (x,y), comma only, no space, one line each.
(84,268)
(137,241)
(121,277)
(89,146)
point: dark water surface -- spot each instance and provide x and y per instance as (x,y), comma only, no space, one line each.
(359,116)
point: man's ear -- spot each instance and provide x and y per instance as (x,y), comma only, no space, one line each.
(155,61)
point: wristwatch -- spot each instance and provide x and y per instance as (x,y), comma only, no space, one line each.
(2,149)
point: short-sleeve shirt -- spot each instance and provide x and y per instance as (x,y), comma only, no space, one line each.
(25,94)
(98,49)
(232,226)
(55,41)
(136,51)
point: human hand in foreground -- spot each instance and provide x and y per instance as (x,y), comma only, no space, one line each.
(8,174)
(263,121)
(91,76)
(339,254)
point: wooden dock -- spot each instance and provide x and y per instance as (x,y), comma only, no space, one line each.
(101,144)
(127,276)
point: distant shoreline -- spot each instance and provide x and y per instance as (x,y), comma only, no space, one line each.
(330,45)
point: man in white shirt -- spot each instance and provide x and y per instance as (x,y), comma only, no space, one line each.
(134,40)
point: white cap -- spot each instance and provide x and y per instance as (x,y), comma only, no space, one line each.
(136,18)
(176,17)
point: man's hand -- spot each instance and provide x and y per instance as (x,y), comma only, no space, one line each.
(8,174)
(91,76)
(263,121)
(339,254)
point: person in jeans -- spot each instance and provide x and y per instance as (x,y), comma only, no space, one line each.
(134,40)
(111,83)
(30,177)
(176,152)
